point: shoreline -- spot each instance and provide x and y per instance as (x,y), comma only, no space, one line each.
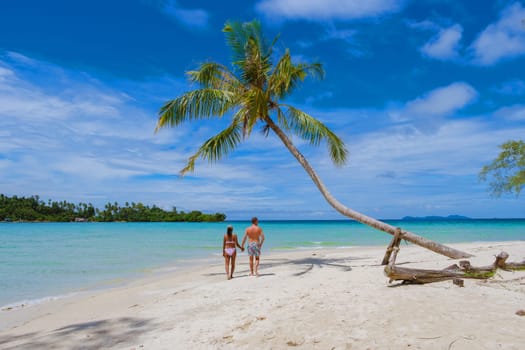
(177,266)
(64,258)
(342,289)
(146,274)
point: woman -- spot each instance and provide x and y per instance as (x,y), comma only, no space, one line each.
(229,251)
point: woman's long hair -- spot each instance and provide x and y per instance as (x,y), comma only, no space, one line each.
(229,230)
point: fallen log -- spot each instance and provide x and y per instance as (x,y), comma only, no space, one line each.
(419,276)
(463,270)
(514,266)
(504,265)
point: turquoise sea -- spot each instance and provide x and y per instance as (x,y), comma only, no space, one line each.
(39,261)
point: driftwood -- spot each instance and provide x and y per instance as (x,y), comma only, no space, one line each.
(463,270)
(392,246)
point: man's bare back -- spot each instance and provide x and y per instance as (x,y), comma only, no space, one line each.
(255,237)
(254,233)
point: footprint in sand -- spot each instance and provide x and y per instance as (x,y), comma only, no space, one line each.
(295,343)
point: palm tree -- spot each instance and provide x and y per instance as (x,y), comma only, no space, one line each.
(251,93)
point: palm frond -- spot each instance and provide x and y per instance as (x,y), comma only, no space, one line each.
(251,53)
(266,130)
(215,76)
(282,120)
(257,108)
(216,147)
(287,75)
(196,104)
(249,111)
(236,39)
(314,131)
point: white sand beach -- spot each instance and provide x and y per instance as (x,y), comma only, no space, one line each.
(308,299)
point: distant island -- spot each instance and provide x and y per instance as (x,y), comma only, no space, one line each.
(450,217)
(32,209)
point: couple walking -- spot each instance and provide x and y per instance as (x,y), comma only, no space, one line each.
(255,237)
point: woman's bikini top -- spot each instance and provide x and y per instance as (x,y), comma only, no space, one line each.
(230,242)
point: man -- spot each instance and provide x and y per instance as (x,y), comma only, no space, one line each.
(255,237)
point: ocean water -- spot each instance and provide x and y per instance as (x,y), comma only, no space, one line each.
(39,261)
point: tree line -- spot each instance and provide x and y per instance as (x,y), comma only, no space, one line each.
(33,209)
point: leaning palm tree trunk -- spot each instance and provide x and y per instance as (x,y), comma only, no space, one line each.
(406,235)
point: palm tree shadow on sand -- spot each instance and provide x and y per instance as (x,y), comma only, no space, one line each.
(118,332)
(307,264)
(304,265)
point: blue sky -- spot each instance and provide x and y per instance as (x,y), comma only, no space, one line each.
(422,92)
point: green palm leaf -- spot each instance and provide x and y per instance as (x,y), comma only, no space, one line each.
(216,147)
(197,104)
(305,126)
(287,76)
(251,52)
(314,131)
(215,76)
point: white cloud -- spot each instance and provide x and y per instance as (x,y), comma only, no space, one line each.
(28,100)
(319,10)
(17,57)
(504,39)
(511,113)
(442,101)
(427,112)
(94,168)
(73,130)
(451,151)
(190,17)
(5,73)
(34,106)
(445,44)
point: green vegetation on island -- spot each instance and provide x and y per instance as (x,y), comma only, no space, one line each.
(33,209)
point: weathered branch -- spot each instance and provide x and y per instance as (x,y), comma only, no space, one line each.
(464,270)
(392,246)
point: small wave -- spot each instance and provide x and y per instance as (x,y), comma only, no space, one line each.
(165,269)
(31,302)
(312,245)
